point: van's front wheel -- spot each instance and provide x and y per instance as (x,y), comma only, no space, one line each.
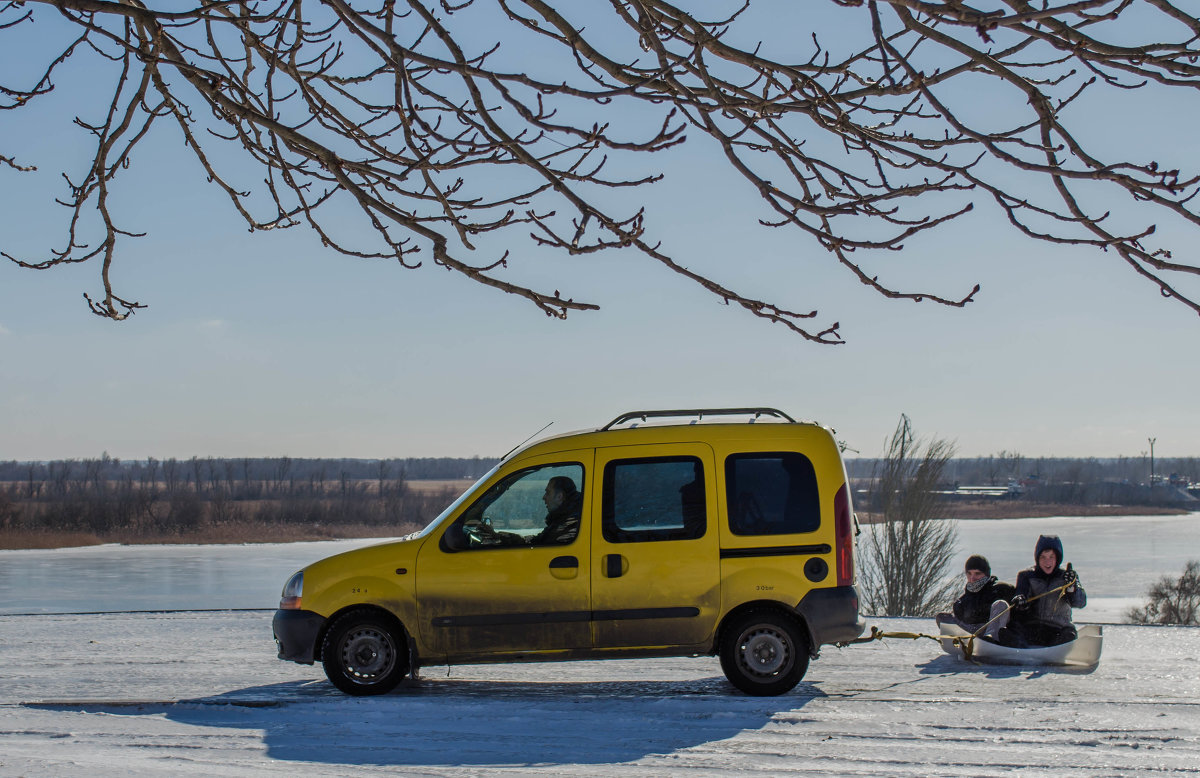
(764,653)
(363,654)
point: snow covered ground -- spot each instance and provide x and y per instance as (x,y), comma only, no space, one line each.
(202,694)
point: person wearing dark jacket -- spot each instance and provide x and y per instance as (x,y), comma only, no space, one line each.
(981,591)
(564,504)
(975,607)
(1046,621)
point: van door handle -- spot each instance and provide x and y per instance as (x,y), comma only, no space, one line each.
(613,566)
(560,562)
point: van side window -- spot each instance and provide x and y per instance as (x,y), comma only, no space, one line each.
(772,494)
(540,506)
(660,498)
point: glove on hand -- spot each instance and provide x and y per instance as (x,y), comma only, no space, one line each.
(1019,601)
(1072,579)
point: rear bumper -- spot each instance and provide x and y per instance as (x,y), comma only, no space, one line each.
(832,615)
(296,634)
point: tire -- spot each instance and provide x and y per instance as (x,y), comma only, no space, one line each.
(364,653)
(764,653)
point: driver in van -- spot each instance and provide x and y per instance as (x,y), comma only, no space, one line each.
(564,504)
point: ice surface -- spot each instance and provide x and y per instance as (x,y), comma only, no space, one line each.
(152,577)
(1118,558)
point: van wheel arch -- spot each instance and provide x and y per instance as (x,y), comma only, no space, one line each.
(365,651)
(766,605)
(374,610)
(763,651)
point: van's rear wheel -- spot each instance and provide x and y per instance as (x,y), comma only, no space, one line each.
(764,653)
(363,654)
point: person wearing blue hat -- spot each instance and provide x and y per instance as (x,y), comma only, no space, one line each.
(1046,593)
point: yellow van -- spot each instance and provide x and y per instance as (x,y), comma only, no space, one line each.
(664,533)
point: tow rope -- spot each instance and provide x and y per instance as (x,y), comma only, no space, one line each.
(965,643)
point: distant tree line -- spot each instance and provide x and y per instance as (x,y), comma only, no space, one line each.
(997,469)
(152,496)
(250,470)
(1079,481)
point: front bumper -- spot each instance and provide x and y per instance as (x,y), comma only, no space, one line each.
(296,634)
(832,615)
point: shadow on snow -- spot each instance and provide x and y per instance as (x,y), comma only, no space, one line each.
(449,722)
(952,664)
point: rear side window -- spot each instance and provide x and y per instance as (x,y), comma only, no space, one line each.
(772,494)
(659,498)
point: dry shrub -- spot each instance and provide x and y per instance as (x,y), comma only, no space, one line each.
(36,538)
(1172,601)
(905,568)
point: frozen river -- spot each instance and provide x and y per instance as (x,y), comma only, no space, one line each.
(1117,558)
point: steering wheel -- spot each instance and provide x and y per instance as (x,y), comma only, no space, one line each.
(479,533)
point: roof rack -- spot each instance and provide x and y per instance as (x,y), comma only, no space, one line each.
(699,413)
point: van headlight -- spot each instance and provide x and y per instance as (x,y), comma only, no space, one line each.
(292,591)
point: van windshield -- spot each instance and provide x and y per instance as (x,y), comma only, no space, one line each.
(452,507)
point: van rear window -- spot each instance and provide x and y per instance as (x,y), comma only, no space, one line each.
(772,494)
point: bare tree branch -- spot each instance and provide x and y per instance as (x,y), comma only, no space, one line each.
(860,138)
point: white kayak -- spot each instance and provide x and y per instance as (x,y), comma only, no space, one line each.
(1084,651)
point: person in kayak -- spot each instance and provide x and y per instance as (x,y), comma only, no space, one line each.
(1037,620)
(982,600)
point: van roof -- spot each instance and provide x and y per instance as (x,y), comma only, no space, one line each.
(699,415)
(639,423)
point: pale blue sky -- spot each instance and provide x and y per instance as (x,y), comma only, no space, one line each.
(261,345)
